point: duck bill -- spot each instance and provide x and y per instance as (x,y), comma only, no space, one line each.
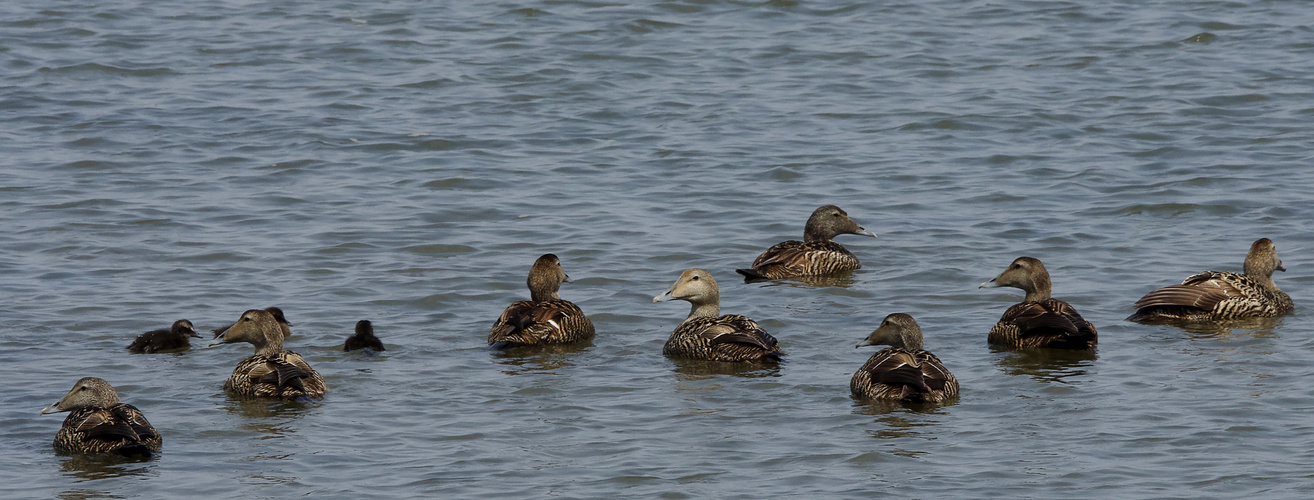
(53,408)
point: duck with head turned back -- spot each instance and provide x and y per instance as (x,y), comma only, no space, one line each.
(364,338)
(172,339)
(273,372)
(706,334)
(283,324)
(816,255)
(904,371)
(99,423)
(1215,295)
(545,318)
(1039,320)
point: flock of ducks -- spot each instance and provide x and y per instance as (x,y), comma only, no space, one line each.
(904,372)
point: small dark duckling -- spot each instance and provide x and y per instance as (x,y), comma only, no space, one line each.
(705,334)
(364,338)
(1038,321)
(278,315)
(273,372)
(99,423)
(816,255)
(902,372)
(545,318)
(1216,295)
(174,338)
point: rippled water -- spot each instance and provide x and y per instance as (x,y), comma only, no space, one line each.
(406,162)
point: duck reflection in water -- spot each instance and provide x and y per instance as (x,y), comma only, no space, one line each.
(541,358)
(1045,364)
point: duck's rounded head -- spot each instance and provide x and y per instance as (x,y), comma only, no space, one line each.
(1026,273)
(364,328)
(184,327)
(256,326)
(87,392)
(545,278)
(694,285)
(896,330)
(830,221)
(1262,259)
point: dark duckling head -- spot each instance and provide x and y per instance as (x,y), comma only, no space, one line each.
(830,221)
(364,338)
(1028,274)
(699,288)
(89,392)
(545,278)
(259,327)
(184,327)
(897,330)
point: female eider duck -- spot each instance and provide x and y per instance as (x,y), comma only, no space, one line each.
(99,423)
(273,372)
(1038,321)
(171,339)
(816,255)
(705,334)
(902,372)
(1215,295)
(364,338)
(545,318)
(283,324)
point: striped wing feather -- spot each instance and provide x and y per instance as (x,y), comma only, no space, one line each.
(899,374)
(546,322)
(1048,323)
(727,338)
(796,258)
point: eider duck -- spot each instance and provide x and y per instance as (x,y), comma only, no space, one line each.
(545,318)
(173,338)
(364,338)
(816,255)
(283,324)
(902,372)
(1215,295)
(1038,321)
(99,423)
(273,372)
(705,334)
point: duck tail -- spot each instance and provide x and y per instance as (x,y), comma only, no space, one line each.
(752,274)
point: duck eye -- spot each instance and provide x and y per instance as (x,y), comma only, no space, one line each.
(694,278)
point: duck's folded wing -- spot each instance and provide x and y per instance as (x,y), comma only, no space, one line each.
(1194,292)
(735,331)
(279,373)
(897,368)
(104,424)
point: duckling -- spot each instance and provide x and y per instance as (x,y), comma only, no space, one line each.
(705,334)
(273,372)
(545,318)
(99,423)
(364,338)
(174,338)
(816,255)
(283,324)
(1038,321)
(902,372)
(1215,295)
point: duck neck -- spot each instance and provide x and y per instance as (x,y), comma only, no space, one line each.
(271,344)
(540,295)
(706,309)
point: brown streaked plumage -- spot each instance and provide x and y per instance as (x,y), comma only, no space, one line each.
(278,315)
(904,371)
(1216,295)
(705,334)
(816,255)
(364,338)
(273,372)
(99,423)
(545,318)
(171,339)
(1038,321)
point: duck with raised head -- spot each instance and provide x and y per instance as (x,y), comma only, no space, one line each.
(1218,295)
(273,372)
(99,423)
(283,324)
(904,371)
(364,338)
(1039,320)
(706,334)
(816,255)
(174,338)
(545,318)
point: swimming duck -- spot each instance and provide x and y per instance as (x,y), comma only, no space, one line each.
(705,334)
(364,338)
(173,338)
(1215,295)
(816,255)
(99,423)
(278,315)
(545,318)
(273,372)
(1038,321)
(903,371)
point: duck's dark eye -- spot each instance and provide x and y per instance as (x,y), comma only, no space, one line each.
(694,278)
(1017,266)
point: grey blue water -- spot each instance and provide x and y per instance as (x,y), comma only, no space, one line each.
(405,162)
